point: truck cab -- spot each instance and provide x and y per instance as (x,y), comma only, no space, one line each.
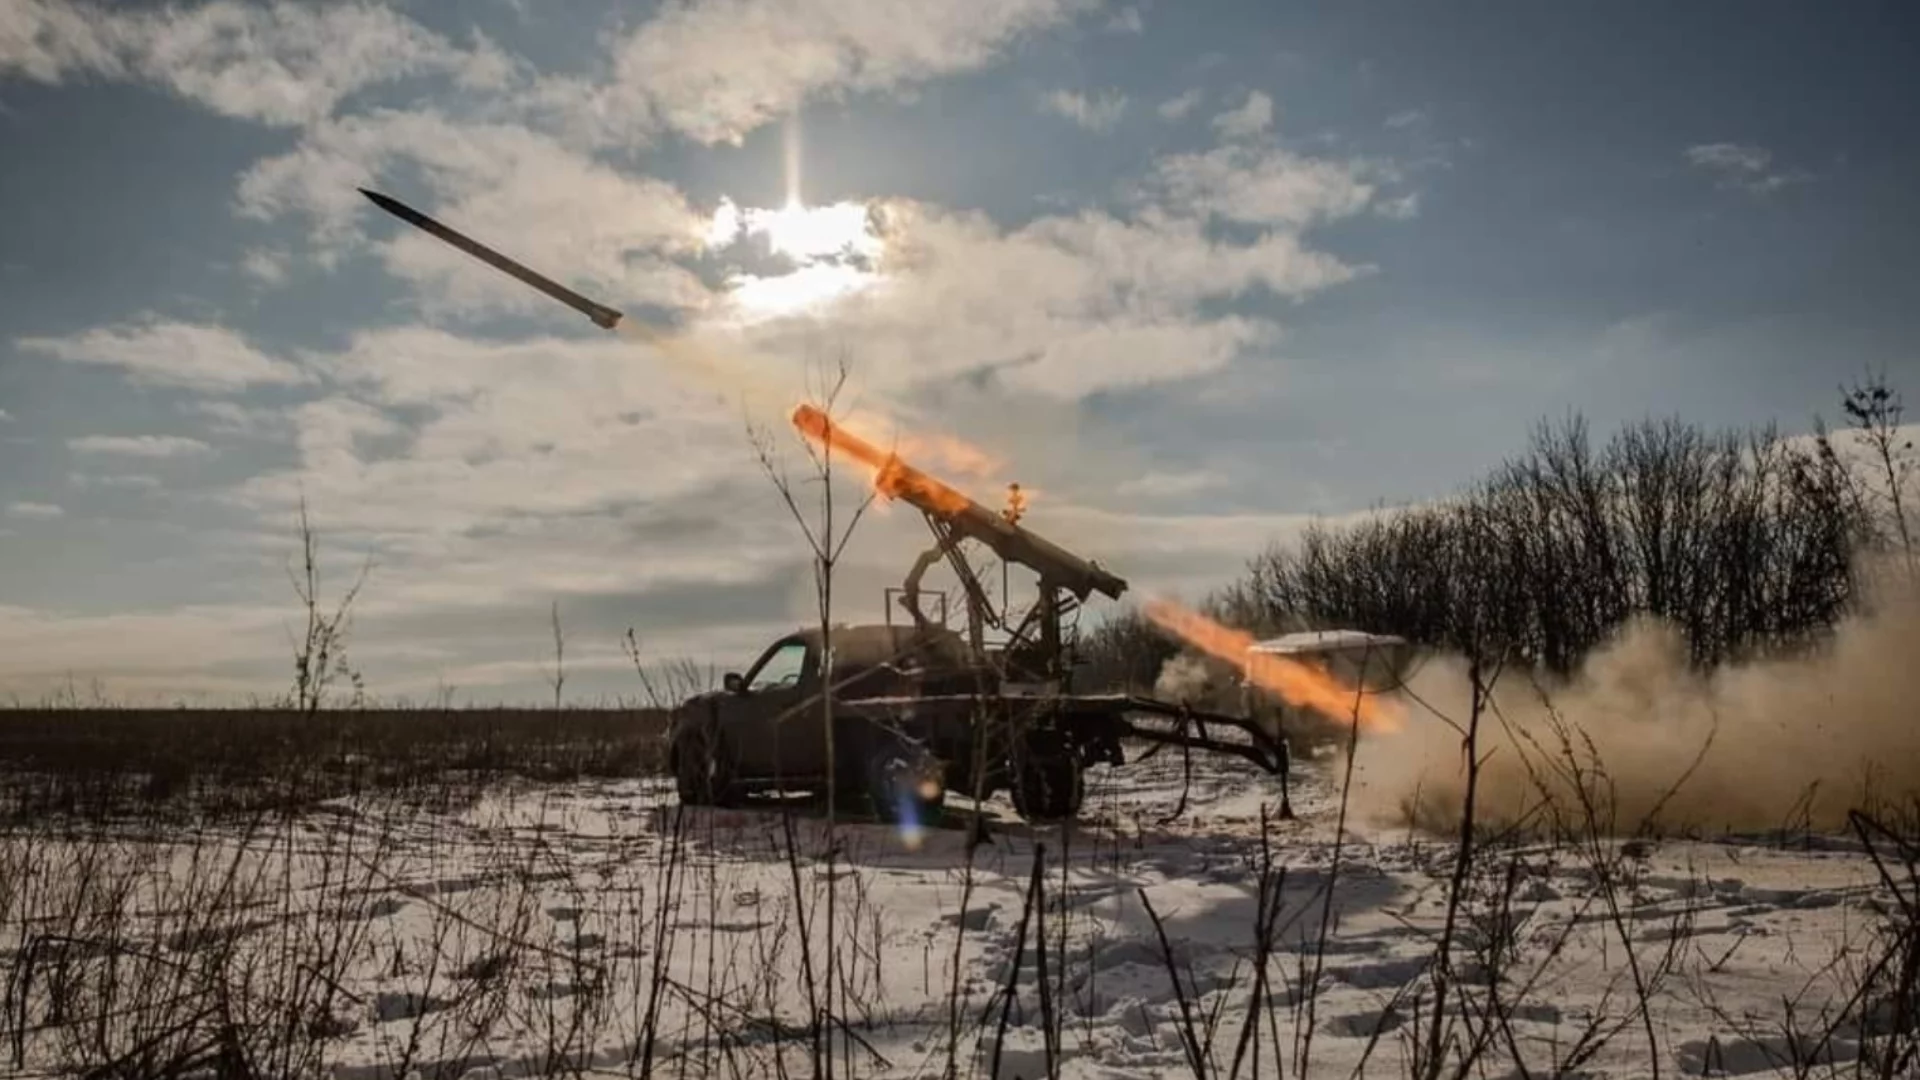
(765,728)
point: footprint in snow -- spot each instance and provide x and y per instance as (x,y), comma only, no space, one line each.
(389,1007)
(1381,976)
(1363,1025)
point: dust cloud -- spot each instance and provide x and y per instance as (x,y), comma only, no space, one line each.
(1787,743)
(1184,677)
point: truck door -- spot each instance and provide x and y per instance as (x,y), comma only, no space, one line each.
(765,722)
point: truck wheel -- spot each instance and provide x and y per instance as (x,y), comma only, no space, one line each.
(1046,779)
(702,769)
(904,783)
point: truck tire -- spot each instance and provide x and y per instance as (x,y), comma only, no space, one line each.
(702,767)
(903,782)
(1046,778)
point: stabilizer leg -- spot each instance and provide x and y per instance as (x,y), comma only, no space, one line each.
(1286,789)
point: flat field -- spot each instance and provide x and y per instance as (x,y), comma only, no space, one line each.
(586,925)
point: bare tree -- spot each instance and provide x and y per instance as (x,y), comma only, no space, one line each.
(1744,541)
(1874,409)
(320,655)
(827,533)
(557,678)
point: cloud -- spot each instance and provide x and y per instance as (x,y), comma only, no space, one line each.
(279,63)
(1157,485)
(1400,207)
(1099,113)
(114,483)
(1064,306)
(1741,167)
(145,446)
(1126,21)
(164,352)
(265,266)
(714,70)
(1258,186)
(433,433)
(1250,119)
(34,511)
(1177,108)
(5,417)
(230,418)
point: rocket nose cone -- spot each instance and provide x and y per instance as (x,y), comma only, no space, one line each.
(384,202)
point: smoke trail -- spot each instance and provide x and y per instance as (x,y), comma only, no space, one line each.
(762,391)
(1791,742)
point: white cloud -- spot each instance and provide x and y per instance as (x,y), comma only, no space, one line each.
(1126,21)
(1400,207)
(716,69)
(1741,167)
(45,40)
(34,511)
(1064,305)
(1099,113)
(5,417)
(1177,108)
(145,446)
(1170,484)
(129,482)
(265,266)
(1250,119)
(278,63)
(509,430)
(230,418)
(164,352)
(1264,186)
(1729,156)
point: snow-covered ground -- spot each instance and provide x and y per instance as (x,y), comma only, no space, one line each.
(596,926)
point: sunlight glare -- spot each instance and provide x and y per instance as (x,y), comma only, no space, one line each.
(832,249)
(803,289)
(809,233)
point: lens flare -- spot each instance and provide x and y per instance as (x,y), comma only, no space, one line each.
(1298,684)
(907,810)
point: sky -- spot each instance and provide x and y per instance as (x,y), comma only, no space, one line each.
(1194,274)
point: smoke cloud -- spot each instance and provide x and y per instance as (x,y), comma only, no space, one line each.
(1643,740)
(1184,677)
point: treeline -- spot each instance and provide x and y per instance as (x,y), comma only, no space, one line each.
(1745,541)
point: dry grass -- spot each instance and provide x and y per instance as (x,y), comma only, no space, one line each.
(169,763)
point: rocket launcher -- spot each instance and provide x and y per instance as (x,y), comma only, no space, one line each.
(963,517)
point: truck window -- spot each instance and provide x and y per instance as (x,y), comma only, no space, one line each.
(783,667)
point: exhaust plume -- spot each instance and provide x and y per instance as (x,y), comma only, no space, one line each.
(1298,684)
(1638,740)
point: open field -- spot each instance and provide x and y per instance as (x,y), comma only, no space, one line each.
(169,762)
(589,927)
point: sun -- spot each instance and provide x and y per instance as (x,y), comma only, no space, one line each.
(832,249)
(810,233)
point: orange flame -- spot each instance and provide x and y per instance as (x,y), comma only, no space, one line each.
(892,477)
(1294,682)
(947,454)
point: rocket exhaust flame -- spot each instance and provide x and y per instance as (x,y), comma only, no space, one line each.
(892,477)
(966,519)
(1297,684)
